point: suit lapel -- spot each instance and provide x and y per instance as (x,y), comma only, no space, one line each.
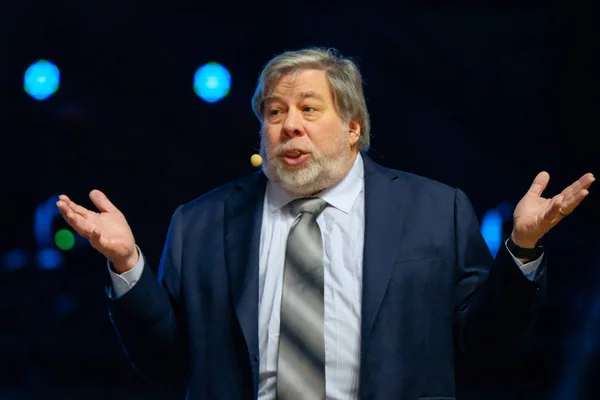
(385,196)
(243,220)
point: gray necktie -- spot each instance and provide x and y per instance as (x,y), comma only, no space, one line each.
(301,360)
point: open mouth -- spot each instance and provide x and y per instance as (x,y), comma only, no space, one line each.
(294,157)
(293,153)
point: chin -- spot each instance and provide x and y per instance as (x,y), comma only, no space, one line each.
(303,191)
(310,177)
(303,181)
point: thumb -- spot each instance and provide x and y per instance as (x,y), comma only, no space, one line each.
(539,183)
(101,201)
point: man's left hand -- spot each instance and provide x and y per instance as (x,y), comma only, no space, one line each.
(535,215)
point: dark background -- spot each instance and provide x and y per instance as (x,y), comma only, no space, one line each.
(478,97)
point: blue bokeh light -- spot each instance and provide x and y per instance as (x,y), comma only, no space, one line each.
(506,209)
(14,259)
(491,230)
(42,80)
(49,258)
(212,82)
(43,221)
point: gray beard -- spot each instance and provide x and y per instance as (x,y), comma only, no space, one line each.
(317,174)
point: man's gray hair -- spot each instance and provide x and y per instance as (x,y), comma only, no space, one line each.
(343,76)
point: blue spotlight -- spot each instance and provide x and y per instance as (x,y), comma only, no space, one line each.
(41,80)
(491,230)
(212,82)
(43,221)
(15,259)
(49,259)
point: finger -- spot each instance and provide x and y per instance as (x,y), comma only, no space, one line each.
(95,237)
(101,201)
(67,200)
(569,205)
(552,213)
(84,212)
(70,203)
(539,183)
(587,180)
(64,199)
(98,241)
(76,221)
(64,209)
(582,183)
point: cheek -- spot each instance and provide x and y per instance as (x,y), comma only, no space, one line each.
(322,133)
(270,134)
(329,136)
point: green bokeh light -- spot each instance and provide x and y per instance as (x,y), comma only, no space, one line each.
(64,239)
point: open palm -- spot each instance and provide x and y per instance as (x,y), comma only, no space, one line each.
(107,230)
(535,215)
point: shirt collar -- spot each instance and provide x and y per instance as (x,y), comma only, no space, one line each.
(340,196)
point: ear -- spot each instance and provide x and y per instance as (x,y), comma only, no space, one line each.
(354,128)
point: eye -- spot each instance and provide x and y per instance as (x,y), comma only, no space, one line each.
(308,109)
(273,112)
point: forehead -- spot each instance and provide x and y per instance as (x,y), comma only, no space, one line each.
(304,81)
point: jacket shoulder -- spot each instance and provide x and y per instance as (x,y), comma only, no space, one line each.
(216,197)
(418,183)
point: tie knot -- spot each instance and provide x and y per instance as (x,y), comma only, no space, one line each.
(312,205)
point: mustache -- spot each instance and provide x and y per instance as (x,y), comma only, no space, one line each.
(282,148)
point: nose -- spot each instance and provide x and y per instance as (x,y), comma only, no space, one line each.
(292,124)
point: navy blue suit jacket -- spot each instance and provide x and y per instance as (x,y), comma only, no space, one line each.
(431,292)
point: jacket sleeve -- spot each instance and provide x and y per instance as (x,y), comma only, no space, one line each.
(148,318)
(495,304)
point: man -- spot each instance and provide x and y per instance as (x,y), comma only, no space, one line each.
(368,287)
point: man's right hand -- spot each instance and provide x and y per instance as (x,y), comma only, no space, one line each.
(107,231)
